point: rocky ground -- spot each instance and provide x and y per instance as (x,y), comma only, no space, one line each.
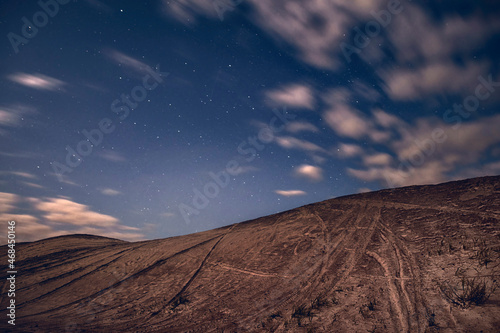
(413,259)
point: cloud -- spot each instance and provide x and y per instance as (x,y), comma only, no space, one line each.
(464,144)
(7,201)
(301,126)
(313,28)
(423,159)
(310,172)
(430,173)
(65,211)
(37,81)
(14,116)
(30,229)
(294,143)
(417,37)
(290,193)
(8,119)
(100,6)
(386,120)
(19,174)
(364,91)
(349,122)
(489,169)
(187,11)
(431,46)
(349,150)
(109,191)
(29,155)
(243,169)
(113,156)
(52,217)
(127,61)
(378,159)
(23,174)
(433,78)
(32,185)
(295,95)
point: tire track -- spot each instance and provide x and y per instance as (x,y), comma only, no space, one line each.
(314,271)
(420,308)
(393,292)
(157,264)
(246,271)
(191,279)
(396,204)
(72,281)
(359,247)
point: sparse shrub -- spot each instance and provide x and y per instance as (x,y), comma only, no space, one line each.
(483,254)
(179,301)
(300,312)
(431,319)
(275,315)
(371,305)
(319,302)
(469,291)
(365,309)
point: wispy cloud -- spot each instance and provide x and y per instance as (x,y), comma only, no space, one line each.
(37,81)
(294,143)
(113,156)
(13,116)
(23,174)
(7,201)
(294,95)
(349,150)
(243,169)
(187,11)
(301,126)
(127,61)
(8,118)
(290,193)
(109,191)
(30,184)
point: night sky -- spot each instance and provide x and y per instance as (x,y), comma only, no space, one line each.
(150,119)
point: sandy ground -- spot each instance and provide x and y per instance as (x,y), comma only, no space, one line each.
(374,262)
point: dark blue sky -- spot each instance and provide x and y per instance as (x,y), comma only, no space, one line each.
(141,120)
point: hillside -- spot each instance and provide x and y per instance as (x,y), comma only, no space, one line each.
(385,261)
